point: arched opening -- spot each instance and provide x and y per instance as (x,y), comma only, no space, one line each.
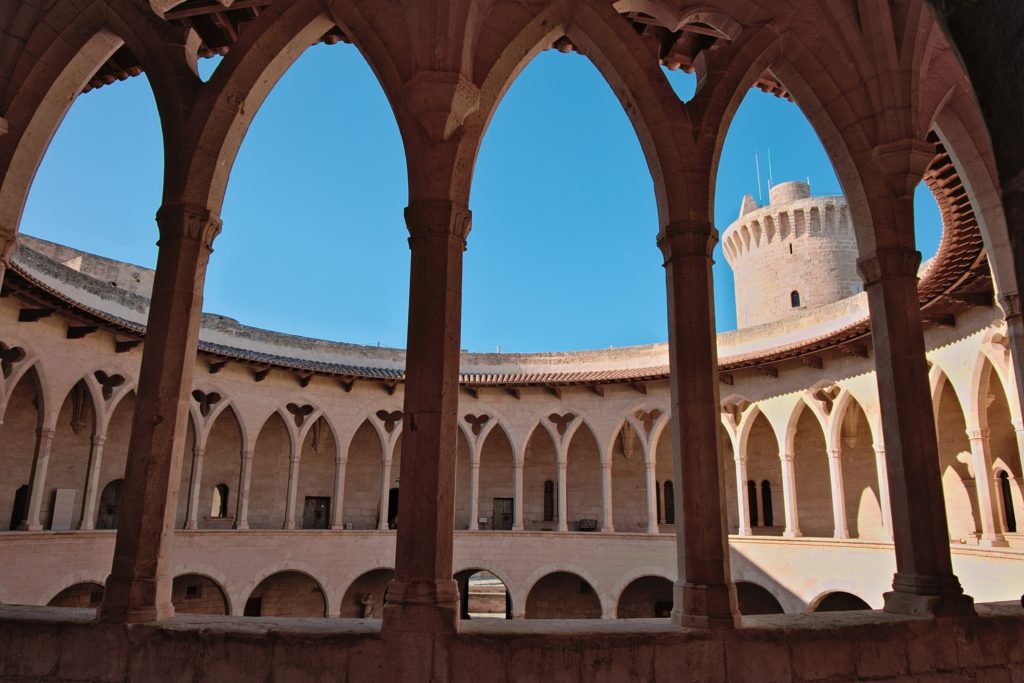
(1003,447)
(562,595)
(629,482)
(352,207)
(222,463)
(462,480)
(394,478)
(583,481)
(85,594)
(613,209)
(115,456)
(497,495)
(540,472)
(839,601)
(316,477)
(728,462)
(958,489)
(71,187)
(287,594)
(17,448)
(362,479)
(63,494)
(764,468)
(110,505)
(813,482)
(809,245)
(646,597)
(860,475)
(198,594)
(482,595)
(364,598)
(187,465)
(755,599)
(664,473)
(268,488)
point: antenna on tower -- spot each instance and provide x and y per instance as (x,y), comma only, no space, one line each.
(770,174)
(757,167)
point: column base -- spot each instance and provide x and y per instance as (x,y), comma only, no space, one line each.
(518,528)
(242,526)
(30,527)
(134,602)
(421,607)
(703,606)
(997,542)
(791,534)
(743,532)
(928,596)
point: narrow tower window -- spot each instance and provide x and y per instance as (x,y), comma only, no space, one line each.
(219,507)
(794,299)
(657,499)
(670,503)
(766,503)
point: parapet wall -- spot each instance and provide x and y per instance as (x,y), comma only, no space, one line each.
(797,243)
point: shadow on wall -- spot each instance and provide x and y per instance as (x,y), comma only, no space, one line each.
(364,599)
(287,594)
(645,598)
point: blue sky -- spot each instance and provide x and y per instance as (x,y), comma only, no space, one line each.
(562,254)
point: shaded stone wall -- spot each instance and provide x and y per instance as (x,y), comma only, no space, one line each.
(562,596)
(290,594)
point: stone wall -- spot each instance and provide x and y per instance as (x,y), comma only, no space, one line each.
(562,596)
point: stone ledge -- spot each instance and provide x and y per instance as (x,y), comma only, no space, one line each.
(38,643)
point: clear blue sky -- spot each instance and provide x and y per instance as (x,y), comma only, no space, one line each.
(562,254)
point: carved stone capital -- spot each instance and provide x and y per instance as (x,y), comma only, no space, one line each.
(433,218)
(1010,303)
(903,164)
(188,222)
(977,434)
(441,101)
(7,247)
(98,441)
(46,434)
(889,262)
(687,238)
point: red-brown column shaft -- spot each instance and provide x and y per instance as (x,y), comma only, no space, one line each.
(924,582)
(423,597)
(704,595)
(139,586)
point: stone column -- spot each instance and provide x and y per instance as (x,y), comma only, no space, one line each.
(1010,303)
(423,597)
(742,495)
(338,509)
(789,495)
(474,494)
(924,582)
(293,488)
(562,463)
(7,247)
(840,528)
(704,595)
(652,497)
(88,520)
(517,493)
(883,491)
(41,462)
(988,506)
(244,482)
(192,519)
(607,518)
(385,492)
(139,586)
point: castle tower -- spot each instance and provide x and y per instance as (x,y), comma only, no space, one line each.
(796,253)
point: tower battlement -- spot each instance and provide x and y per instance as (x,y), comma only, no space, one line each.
(795,253)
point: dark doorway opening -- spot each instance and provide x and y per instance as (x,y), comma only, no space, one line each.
(393,508)
(316,513)
(253,607)
(20,509)
(504,510)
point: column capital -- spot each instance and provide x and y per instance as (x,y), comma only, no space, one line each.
(198,451)
(188,222)
(687,238)
(1010,303)
(8,243)
(98,440)
(835,453)
(437,218)
(247,454)
(46,433)
(976,434)
(903,163)
(786,456)
(889,262)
